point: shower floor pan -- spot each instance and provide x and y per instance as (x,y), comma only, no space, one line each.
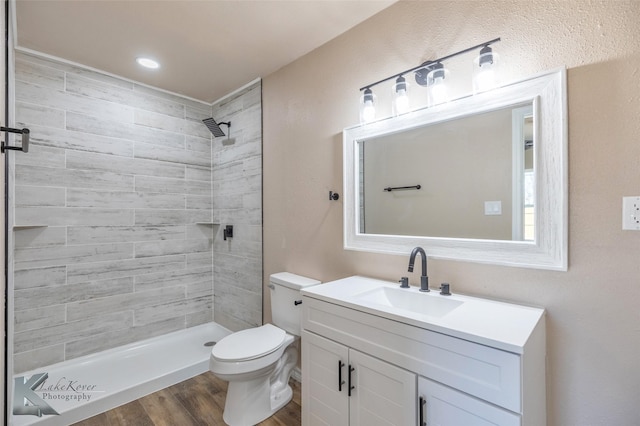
(86,386)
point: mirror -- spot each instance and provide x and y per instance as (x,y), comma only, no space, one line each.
(469,174)
(482,178)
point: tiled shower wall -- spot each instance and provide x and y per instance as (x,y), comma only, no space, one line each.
(237,201)
(108,249)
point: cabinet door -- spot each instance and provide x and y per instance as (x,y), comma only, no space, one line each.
(324,396)
(448,407)
(382,394)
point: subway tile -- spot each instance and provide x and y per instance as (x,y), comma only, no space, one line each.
(67,294)
(123,130)
(200,289)
(113,338)
(182,277)
(87,309)
(132,166)
(199,202)
(202,173)
(164,248)
(47,336)
(152,314)
(172,185)
(98,77)
(96,89)
(27,114)
(72,216)
(37,257)
(171,154)
(240,303)
(228,321)
(42,156)
(200,144)
(116,234)
(39,237)
(199,216)
(198,318)
(29,319)
(123,268)
(40,277)
(170,124)
(192,103)
(199,260)
(237,154)
(61,138)
(161,217)
(121,199)
(70,178)
(200,231)
(39,74)
(38,358)
(31,196)
(74,105)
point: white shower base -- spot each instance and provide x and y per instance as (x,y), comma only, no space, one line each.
(102,381)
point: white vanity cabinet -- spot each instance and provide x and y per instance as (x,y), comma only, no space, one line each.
(342,386)
(398,361)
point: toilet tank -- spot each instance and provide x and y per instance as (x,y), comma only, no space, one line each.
(285,292)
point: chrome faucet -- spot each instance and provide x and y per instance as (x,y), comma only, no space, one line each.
(424,280)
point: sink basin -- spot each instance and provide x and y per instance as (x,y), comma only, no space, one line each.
(433,305)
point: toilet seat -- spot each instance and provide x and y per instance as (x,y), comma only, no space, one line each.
(249,344)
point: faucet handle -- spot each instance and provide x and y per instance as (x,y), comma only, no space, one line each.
(404,282)
(444,289)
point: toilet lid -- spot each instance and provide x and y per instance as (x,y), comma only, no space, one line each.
(249,344)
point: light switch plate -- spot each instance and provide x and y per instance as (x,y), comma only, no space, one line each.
(631,213)
(492,208)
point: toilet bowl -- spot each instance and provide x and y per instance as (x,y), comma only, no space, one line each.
(257,362)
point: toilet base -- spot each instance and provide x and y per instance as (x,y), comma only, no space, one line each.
(251,401)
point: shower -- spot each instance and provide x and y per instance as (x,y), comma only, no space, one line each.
(214,127)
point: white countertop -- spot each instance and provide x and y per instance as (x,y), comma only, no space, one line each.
(501,325)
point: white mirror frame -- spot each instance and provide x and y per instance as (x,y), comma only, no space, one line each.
(549,250)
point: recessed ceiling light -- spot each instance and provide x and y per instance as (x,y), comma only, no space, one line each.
(147,63)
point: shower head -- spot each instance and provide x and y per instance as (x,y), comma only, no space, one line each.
(214,127)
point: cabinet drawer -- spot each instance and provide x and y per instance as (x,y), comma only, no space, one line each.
(490,374)
(446,406)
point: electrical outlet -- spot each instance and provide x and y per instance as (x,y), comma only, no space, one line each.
(631,213)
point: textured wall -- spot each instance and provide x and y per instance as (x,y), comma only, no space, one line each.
(593,374)
(120,174)
(237,201)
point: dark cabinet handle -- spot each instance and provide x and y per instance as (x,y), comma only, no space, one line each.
(421,406)
(297,302)
(340,381)
(351,369)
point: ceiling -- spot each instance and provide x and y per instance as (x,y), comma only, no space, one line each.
(207,49)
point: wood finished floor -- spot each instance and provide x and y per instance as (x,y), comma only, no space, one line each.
(197,401)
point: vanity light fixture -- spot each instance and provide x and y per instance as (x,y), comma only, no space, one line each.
(432,74)
(147,63)
(484,70)
(367,106)
(436,88)
(400,97)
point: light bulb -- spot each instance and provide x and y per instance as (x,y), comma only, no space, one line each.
(485,68)
(437,92)
(367,107)
(400,97)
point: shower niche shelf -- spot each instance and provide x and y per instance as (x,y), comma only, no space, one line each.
(208,223)
(19,227)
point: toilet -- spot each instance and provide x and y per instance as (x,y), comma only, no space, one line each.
(257,362)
